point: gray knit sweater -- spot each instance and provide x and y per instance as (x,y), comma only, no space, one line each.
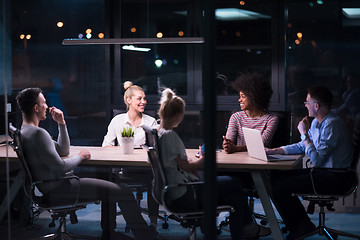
(46,157)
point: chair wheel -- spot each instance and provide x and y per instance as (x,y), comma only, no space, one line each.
(263,222)
(165,225)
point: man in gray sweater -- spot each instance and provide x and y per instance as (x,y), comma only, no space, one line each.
(48,160)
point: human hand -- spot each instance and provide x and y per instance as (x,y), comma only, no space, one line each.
(304,125)
(270,151)
(199,153)
(84,154)
(57,115)
(228,145)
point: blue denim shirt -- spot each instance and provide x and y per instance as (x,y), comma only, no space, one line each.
(331,145)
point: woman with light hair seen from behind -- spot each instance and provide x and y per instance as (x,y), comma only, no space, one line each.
(179,169)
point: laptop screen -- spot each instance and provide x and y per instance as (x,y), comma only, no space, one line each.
(254,143)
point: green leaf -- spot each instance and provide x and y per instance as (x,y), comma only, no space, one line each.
(127,132)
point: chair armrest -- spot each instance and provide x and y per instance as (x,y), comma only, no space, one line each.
(53,180)
(57,179)
(33,185)
(190,183)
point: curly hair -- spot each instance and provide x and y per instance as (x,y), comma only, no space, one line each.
(256,87)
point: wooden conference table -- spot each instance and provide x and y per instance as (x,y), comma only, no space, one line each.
(112,157)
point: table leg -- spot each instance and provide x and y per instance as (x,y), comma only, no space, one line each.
(15,187)
(258,177)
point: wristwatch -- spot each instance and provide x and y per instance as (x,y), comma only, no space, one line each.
(303,137)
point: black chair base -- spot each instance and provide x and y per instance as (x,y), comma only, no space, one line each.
(322,230)
(62,234)
(139,187)
(329,233)
(252,194)
(59,208)
(66,236)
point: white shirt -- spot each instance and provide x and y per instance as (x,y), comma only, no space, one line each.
(122,120)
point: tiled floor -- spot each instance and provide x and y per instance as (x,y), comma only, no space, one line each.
(89,224)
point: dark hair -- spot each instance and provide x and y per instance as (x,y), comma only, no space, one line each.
(256,87)
(322,95)
(26,100)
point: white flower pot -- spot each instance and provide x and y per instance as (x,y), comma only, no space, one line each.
(127,145)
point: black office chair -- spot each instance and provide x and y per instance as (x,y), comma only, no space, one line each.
(58,210)
(137,179)
(190,220)
(326,199)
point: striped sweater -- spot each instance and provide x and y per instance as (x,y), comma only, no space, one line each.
(266,124)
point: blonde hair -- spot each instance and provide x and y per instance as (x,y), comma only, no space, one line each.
(129,91)
(170,104)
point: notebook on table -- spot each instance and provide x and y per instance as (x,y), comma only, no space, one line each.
(256,148)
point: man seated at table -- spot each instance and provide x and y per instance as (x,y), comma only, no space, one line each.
(328,145)
(48,161)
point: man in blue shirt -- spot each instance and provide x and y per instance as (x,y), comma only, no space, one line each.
(328,144)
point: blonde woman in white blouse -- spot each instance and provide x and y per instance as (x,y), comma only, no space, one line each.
(135,100)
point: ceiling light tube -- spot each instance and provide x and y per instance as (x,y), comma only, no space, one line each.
(132,48)
(131,41)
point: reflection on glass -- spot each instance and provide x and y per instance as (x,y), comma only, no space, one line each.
(313,58)
(164,65)
(243,42)
(73,78)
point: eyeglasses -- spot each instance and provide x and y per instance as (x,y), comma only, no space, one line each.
(309,102)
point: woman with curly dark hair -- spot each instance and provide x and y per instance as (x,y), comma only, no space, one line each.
(255,92)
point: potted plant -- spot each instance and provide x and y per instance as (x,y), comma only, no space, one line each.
(127,140)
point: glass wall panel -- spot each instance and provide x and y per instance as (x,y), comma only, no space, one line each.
(154,19)
(244,44)
(243,41)
(5,63)
(322,49)
(72,77)
(162,64)
(243,38)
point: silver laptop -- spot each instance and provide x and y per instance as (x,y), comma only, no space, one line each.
(256,149)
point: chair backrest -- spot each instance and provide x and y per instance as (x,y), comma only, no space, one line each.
(352,172)
(30,182)
(16,144)
(153,150)
(117,112)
